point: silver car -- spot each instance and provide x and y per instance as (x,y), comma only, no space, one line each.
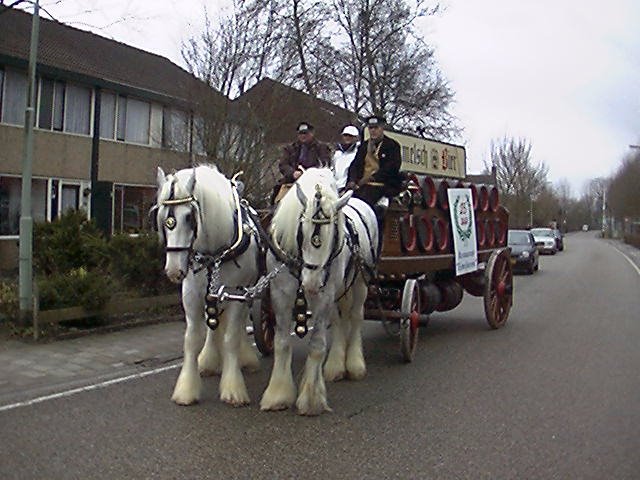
(545,240)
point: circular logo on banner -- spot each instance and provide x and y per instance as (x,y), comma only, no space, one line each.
(462,216)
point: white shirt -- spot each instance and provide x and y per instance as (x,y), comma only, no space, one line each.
(341,161)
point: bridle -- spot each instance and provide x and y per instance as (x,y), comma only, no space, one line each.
(170,222)
(222,254)
(318,219)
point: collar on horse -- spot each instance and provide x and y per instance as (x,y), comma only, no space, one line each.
(240,241)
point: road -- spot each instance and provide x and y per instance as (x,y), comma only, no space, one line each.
(555,394)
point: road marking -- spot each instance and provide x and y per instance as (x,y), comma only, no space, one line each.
(88,388)
(628,259)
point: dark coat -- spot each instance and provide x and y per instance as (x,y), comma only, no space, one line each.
(318,155)
(390,160)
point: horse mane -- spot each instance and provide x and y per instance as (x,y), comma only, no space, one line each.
(284,225)
(210,185)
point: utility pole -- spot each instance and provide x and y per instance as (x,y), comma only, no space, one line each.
(25,278)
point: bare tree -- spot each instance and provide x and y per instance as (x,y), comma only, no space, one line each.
(593,197)
(622,194)
(365,55)
(384,66)
(519,179)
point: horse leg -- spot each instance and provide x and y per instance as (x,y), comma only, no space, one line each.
(334,368)
(281,391)
(233,390)
(356,367)
(312,399)
(248,356)
(189,385)
(209,361)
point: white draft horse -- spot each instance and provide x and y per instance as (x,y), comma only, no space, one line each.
(332,240)
(198,216)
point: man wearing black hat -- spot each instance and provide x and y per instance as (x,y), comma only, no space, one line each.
(305,152)
(375,171)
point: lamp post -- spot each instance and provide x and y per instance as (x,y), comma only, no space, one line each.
(604,212)
(25,275)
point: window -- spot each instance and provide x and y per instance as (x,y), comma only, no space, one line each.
(199,136)
(77,113)
(175,129)
(137,124)
(51,108)
(64,107)
(107,115)
(45,112)
(69,197)
(15,97)
(58,102)
(124,118)
(131,207)
(10,191)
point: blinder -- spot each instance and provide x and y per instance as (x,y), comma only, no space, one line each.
(170,222)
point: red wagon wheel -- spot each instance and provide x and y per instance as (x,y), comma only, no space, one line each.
(498,292)
(410,309)
(263,322)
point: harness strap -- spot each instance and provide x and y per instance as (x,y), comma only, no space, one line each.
(224,254)
(366,229)
(281,256)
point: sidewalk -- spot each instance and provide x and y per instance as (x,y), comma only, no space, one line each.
(630,251)
(28,370)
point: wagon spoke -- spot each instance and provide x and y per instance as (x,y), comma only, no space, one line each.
(498,288)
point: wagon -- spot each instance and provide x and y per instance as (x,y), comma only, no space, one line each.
(416,273)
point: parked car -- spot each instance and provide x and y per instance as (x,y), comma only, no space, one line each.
(545,240)
(559,239)
(524,253)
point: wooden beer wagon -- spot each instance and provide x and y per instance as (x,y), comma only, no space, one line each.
(416,272)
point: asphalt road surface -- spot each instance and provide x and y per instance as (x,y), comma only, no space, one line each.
(555,394)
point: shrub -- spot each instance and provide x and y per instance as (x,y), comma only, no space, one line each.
(90,289)
(9,301)
(138,263)
(70,242)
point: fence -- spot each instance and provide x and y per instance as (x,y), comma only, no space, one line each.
(116,306)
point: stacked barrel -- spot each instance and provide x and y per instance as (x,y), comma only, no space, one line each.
(418,223)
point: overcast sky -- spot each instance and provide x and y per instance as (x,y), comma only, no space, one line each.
(565,74)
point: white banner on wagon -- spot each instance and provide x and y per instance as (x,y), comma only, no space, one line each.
(463,226)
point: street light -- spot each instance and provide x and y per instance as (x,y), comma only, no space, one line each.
(25,264)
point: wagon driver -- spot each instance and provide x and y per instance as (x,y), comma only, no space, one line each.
(305,152)
(375,170)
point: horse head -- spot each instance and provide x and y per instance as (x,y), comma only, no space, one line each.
(176,217)
(320,235)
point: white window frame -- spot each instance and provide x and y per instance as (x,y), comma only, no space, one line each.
(64,107)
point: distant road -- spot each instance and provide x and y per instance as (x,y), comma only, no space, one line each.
(555,394)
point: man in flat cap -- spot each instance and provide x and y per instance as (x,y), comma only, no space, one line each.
(305,152)
(375,170)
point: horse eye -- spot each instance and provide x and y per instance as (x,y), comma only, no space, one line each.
(187,218)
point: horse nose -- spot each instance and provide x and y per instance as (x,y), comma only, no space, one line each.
(176,277)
